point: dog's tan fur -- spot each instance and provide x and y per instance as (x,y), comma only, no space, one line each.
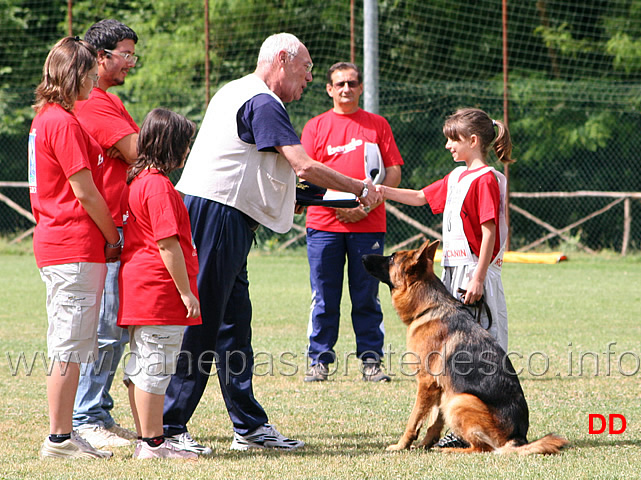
(439,331)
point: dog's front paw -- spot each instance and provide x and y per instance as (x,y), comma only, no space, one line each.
(396,447)
(428,444)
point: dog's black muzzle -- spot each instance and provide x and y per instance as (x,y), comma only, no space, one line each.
(378,267)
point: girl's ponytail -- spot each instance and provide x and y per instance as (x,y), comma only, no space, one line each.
(503,143)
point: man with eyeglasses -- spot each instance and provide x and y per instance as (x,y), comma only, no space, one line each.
(241,174)
(129,58)
(107,120)
(339,138)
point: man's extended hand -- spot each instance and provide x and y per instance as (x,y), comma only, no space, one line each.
(373,196)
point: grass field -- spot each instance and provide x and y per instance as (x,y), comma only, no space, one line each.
(563,321)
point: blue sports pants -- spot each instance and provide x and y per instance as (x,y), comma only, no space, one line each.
(326,253)
(223,238)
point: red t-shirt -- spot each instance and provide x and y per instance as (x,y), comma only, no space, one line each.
(106,119)
(58,148)
(481,204)
(153,210)
(338,141)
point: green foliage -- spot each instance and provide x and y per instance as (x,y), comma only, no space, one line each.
(170,45)
(626,52)
(574,71)
(21,55)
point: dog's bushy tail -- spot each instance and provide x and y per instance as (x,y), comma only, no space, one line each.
(549,445)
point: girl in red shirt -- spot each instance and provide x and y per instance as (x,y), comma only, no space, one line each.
(158,292)
(472,199)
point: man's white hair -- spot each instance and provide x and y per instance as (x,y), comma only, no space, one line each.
(276,43)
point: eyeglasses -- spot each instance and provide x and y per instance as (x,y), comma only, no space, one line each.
(129,58)
(93,77)
(351,83)
(308,67)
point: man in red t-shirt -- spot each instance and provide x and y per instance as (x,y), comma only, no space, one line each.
(338,139)
(106,119)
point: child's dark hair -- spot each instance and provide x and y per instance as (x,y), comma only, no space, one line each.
(472,121)
(163,142)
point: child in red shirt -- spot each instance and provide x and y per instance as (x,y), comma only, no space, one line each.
(472,199)
(158,292)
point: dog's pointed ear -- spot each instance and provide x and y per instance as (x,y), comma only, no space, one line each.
(422,250)
(431,249)
(427,251)
(422,257)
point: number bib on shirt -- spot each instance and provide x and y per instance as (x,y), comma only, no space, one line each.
(456,248)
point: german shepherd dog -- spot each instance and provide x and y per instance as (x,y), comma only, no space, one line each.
(465,379)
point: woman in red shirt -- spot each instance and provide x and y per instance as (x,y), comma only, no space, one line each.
(74,235)
(158,291)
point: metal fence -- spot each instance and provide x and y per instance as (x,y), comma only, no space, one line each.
(572,97)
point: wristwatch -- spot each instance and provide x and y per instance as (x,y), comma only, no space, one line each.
(115,245)
(364,191)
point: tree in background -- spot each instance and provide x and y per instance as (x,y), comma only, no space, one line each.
(575,67)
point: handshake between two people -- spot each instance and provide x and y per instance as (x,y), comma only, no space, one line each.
(308,194)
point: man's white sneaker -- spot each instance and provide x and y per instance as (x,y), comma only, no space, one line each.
(264,437)
(164,450)
(75,447)
(183,441)
(98,436)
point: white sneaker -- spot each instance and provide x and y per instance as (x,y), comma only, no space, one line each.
(99,436)
(75,447)
(164,450)
(138,447)
(183,441)
(264,437)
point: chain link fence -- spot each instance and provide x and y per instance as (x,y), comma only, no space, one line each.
(574,74)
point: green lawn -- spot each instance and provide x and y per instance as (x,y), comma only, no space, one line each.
(562,319)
